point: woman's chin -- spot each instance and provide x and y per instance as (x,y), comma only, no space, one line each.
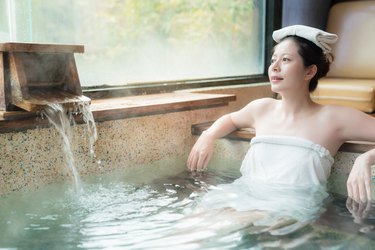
(275,88)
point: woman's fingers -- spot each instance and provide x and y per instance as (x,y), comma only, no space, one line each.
(368,189)
(201,161)
(359,183)
(192,160)
(359,210)
(198,159)
(352,190)
(360,191)
(200,154)
(206,160)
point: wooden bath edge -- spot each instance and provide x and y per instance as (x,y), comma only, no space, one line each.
(122,108)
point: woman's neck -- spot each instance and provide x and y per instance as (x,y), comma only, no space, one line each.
(297,105)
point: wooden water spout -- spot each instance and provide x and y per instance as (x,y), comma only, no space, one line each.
(34,75)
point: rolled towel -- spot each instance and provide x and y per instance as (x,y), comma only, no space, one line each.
(321,38)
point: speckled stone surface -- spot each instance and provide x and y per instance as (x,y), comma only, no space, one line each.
(343,162)
(36,157)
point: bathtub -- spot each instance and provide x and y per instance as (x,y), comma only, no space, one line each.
(152,206)
(154,144)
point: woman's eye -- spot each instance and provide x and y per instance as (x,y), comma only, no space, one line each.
(273,60)
(286,59)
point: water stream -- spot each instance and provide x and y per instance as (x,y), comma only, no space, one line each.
(63,119)
(88,118)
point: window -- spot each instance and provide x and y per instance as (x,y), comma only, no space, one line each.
(137,41)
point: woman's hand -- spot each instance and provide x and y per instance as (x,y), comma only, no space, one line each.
(359,181)
(359,210)
(201,153)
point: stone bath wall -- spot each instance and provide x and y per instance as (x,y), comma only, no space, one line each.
(36,157)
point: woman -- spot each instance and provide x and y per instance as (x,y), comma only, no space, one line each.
(295,137)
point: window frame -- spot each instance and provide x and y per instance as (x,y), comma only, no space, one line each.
(273,11)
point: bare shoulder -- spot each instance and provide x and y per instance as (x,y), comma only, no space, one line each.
(333,110)
(342,113)
(339,115)
(264,101)
(262,104)
(247,116)
(353,124)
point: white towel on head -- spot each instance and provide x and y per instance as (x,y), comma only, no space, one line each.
(321,38)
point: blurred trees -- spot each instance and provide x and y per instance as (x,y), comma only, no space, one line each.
(125,24)
(149,33)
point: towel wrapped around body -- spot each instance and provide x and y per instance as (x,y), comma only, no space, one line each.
(285,176)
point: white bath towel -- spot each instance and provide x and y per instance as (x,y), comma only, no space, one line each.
(321,38)
(283,175)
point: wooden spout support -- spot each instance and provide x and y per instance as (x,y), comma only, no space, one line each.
(34,75)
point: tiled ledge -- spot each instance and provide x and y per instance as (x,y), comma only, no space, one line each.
(247,134)
(121,108)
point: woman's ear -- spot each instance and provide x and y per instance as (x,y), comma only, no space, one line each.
(311,72)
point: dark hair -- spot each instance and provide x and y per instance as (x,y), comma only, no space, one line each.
(311,54)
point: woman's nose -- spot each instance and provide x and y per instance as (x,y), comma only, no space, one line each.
(275,66)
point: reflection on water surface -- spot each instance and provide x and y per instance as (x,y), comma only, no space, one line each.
(139,209)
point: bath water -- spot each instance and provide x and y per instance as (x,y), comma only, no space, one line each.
(150,208)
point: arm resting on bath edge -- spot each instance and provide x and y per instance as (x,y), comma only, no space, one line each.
(358,126)
(202,150)
(359,180)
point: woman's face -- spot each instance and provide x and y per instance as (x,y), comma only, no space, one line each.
(287,71)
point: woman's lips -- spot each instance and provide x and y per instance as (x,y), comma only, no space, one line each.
(276,79)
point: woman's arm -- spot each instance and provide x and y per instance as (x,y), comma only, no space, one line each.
(201,152)
(359,180)
(359,126)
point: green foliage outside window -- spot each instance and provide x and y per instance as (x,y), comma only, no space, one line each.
(150,40)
